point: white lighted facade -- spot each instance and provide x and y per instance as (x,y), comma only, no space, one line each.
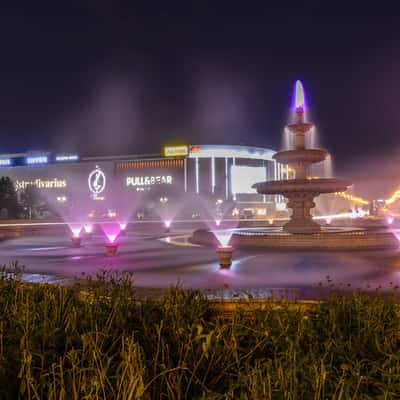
(225,173)
(230,171)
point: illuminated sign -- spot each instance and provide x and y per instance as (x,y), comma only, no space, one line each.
(97,181)
(69,157)
(148,180)
(37,160)
(176,151)
(39,183)
(4,162)
(195,149)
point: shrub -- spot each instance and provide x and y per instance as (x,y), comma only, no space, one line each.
(105,343)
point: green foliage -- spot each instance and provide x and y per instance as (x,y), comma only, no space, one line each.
(31,199)
(8,197)
(104,343)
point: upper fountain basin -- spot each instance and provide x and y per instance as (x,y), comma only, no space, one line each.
(308,156)
(319,185)
(300,127)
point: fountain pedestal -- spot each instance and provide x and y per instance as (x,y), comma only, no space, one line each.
(301,219)
(111,249)
(76,241)
(225,256)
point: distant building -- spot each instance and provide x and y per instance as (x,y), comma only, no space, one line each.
(224,173)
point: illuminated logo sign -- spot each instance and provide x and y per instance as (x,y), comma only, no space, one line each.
(195,149)
(97,181)
(37,160)
(4,162)
(148,180)
(39,183)
(69,157)
(176,151)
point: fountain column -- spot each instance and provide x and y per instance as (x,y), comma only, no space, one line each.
(301,219)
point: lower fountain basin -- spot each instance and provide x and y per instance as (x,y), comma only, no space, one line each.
(329,238)
(319,185)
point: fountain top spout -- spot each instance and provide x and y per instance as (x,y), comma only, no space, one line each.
(299,101)
(299,127)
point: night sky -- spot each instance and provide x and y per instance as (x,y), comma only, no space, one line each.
(104,78)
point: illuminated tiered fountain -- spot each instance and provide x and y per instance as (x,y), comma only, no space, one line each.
(302,231)
(301,190)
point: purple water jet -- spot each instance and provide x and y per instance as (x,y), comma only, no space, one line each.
(223,237)
(111,231)
(88,228)
(76,231)
(167,224)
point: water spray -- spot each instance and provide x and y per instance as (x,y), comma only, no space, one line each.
(76,238)
(111,232)
(122,226)
(88,230)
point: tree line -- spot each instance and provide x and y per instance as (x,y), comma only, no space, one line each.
(18,205)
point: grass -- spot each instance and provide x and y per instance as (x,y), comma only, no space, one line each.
(57,343)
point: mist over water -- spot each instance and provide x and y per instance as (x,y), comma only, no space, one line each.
(108,121)
(312,138)
(373,176)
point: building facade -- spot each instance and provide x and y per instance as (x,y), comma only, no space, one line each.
(215,172)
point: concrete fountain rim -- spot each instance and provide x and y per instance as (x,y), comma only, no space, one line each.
(330,238)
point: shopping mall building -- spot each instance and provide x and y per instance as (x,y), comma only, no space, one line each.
(216,172)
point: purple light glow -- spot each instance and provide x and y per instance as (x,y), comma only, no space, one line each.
(111,231)
(111,237)
(218,222)
(397,235)
(328,221)
(390,220)
(88,228)
(167,223)
(299,98)
(299,94)
(123,225)
(225,272)
(75,229)
(223,237)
